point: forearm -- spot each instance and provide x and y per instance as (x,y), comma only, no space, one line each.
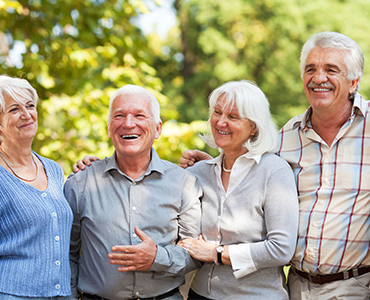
(173,260)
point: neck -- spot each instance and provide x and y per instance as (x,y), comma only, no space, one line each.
(17,154)
(327,124)
(133,167)
(230,157)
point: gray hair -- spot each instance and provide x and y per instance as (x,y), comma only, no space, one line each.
(131,89)
(252,104)
(353,56)
(17,89)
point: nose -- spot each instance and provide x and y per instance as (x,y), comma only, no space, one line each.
(25,113)
(129,121)
(222,121)
(319,77)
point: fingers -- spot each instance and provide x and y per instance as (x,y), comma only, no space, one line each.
(88,159)
(141,234)
(79,166)
(75,168)
(187,159)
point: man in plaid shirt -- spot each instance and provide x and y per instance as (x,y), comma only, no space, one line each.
(328,147)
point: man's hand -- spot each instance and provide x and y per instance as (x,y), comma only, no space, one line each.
(135,258)
(189,157)
(82,163)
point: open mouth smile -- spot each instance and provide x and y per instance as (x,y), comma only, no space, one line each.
(130,136)
(223,132)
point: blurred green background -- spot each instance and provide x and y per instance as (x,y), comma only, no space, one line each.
(76,53)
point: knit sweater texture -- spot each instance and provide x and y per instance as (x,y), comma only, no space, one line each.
(35,231)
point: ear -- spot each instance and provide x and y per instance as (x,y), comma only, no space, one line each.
(354,84)
(109,130)
(158,130)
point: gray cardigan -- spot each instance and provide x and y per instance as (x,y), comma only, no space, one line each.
(263,211)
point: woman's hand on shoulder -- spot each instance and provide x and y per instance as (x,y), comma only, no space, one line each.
(82,163)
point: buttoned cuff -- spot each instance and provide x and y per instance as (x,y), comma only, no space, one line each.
(161,261)
(241,260)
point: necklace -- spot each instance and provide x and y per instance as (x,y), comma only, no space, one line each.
(25,179)
(223,166)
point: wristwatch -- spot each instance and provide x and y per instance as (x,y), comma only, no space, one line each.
(219,251)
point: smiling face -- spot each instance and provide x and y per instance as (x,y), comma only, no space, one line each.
(325,80)
(18,121)
(229,130)
(132,128)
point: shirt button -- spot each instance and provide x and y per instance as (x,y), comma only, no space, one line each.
(133,183)
(57,263)
(57,238)
(43,195)
(137,293)
(134,208)
(54,214)
(134,235)
(57,286)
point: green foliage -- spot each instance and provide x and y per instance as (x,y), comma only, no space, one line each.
(77,53)
(255,40)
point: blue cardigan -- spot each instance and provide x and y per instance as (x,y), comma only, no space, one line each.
(35,231)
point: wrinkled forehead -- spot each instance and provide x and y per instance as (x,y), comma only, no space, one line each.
(326,56)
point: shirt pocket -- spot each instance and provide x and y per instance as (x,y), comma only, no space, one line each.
(354,167)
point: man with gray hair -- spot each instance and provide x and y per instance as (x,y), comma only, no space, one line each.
(130,210)
(328,147)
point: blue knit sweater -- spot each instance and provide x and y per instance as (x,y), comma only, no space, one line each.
(35,230)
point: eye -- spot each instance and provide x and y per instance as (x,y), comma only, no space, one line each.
(217,112)
(14,109)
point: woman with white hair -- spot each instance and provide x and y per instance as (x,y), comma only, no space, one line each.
(35,218)
(249,207)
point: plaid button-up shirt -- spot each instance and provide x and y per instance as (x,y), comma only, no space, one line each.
(334,191)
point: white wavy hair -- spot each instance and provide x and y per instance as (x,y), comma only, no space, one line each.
(252,104)
(353,56)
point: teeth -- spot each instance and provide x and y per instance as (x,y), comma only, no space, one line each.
(223,132)
(130,136)
(321,90)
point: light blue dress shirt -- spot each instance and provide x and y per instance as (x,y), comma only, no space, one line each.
(107,205)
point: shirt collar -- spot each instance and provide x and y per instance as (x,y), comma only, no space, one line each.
(248,155)
(155,164)
(304,120)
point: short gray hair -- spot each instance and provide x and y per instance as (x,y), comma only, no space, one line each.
(353,56)
(131,89)
(16,88)
(252,104)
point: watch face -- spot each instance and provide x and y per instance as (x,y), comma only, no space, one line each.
(220,249)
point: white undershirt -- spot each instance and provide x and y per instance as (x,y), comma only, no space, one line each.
(240,255)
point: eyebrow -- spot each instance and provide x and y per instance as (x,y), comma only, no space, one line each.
(326,65)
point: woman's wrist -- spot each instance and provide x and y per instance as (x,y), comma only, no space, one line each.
(217,255)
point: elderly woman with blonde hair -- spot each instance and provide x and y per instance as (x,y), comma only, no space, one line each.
(249,207)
